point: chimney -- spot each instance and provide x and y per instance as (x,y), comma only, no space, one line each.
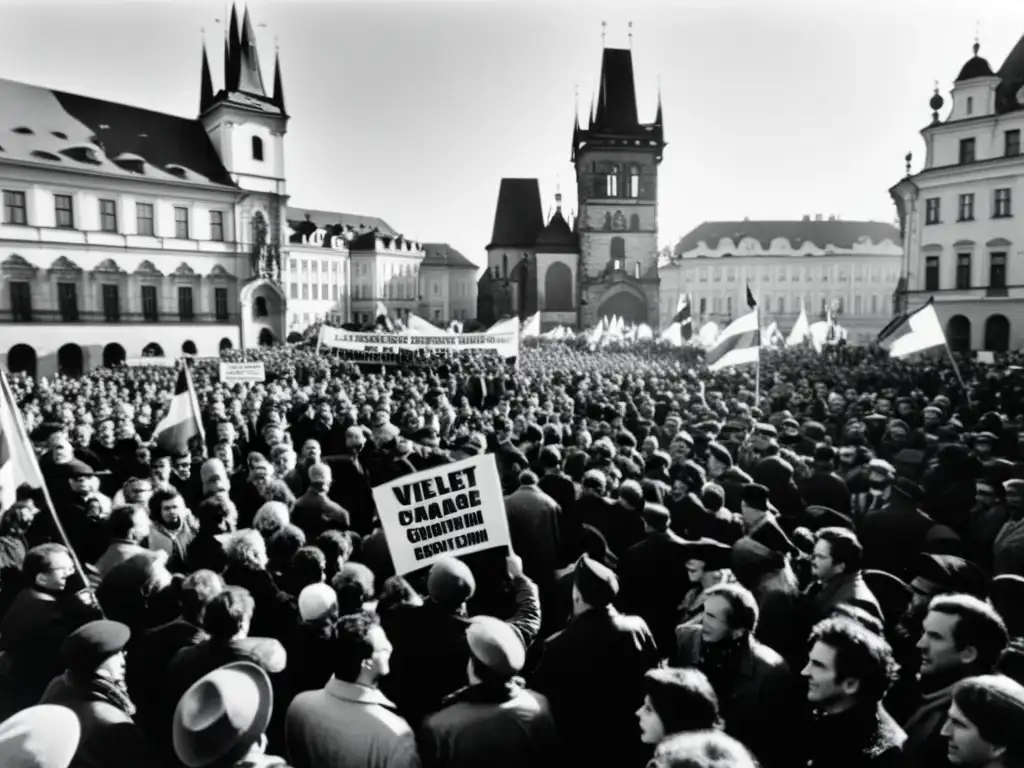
(817,217)
(831,217)
(807,217)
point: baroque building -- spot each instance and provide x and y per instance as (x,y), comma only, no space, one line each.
(603,261)
(963,238)
(127,233)
(814,264)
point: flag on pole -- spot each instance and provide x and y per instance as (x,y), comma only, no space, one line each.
(531,328)
(182,421)
(18,464)
(684,318)
(914,332)
(417,325)
(739,344)
(801,330)
(750,298)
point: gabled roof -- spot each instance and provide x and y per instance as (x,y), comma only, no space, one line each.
(841,234)
(62,124)
(444,255)
(519,218)
(302,219)
(556,237)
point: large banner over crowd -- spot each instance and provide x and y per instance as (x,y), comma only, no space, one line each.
(503,338)
(455,509)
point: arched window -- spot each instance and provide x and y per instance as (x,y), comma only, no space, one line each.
(558,288)
(997,333)
(958,333)
(617,254)
(261,306)
(634,223)
(257,148)
(611,182)
(634,181)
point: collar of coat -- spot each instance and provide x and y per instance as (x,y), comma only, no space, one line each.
(356,693)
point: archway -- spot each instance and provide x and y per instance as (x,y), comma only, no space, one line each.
(267,338)
(152,350)
(225,344)
(70,360)
(558,288)
(624,304)
(997,333)
(21,358)
(189,347)
(113,354)
(958,333)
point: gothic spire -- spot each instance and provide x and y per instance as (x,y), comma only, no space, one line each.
(206,85)
(250,78)
(278,85)
(234,52)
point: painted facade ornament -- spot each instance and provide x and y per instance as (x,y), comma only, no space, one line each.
(619,222)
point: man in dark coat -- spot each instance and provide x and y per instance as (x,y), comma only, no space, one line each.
(835,566)
(592,672)
(824,488)
(314,512)
(534,529)
(653,575)
(848,672)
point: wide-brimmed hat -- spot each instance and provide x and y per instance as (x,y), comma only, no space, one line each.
(44,736)
(222,715)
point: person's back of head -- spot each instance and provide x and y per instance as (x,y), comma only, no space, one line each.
(702,749)
(229,614)
(354,584)
(197,590)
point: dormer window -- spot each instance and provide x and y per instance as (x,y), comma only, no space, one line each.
(970,105)
(257,148)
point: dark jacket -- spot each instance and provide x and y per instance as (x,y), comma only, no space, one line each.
(592,674)
(653,582)
(314,513)
(826,490)
(822,598)
(862,737)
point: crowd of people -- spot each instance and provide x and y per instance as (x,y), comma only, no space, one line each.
(822,567)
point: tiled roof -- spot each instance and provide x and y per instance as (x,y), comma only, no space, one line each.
(1012,74)
(38,124)
(518,218)
(301,219)
(616,101)
(557,237)
(443,255)
(841,234)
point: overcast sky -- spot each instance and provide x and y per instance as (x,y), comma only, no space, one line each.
(414,111)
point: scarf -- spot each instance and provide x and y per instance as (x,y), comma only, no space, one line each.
(103,689)
(718,660)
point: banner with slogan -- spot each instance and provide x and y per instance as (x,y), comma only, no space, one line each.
(446,511)
(142,362)
(506,342)
(234,373)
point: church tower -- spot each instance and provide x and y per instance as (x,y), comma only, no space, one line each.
(247,124)
(616,158)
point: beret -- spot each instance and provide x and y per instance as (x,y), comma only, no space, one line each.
(995,705)
(496,645)
(93,643)
(756,496)
(77,468)
(450,583)
(598,585)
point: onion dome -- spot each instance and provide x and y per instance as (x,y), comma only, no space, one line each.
(975,67)
(936,101)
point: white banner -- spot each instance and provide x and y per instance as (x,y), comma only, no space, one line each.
(242,372)
(142,362)
(452,510)
(505,342)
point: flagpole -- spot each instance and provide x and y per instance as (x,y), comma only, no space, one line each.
(956,370)
(8,396)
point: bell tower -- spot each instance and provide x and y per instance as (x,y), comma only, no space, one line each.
(617,158)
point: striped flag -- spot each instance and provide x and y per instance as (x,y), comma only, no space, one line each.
(182,421)
(913,332)
(18,464)
(684,318)
(739,344)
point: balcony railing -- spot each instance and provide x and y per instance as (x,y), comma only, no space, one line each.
(55,316)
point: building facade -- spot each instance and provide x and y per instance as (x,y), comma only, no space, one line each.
(605,261)
(127,233)
(815,264)
(963,236)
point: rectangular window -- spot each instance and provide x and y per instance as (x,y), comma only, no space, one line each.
(1011,143)
(324,290)
(703,306)
(67,301)
(220,303)
(305,291)
(150,308)
(181,222)
(65,211)
(1003,207)
(858,303)
(316,291)
(997,270)
(217,226)
(728,305)
(874,304)
(334,292)
(185,303)
(931,273)
(966,212)
(15,210)
(963,271)
(293,291)
(21,301)
(931,211)
(782,305)
(967,147)
(111,303)
(144,219)
(108,216)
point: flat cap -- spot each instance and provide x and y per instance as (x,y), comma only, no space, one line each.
(496,645)
(756,496)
